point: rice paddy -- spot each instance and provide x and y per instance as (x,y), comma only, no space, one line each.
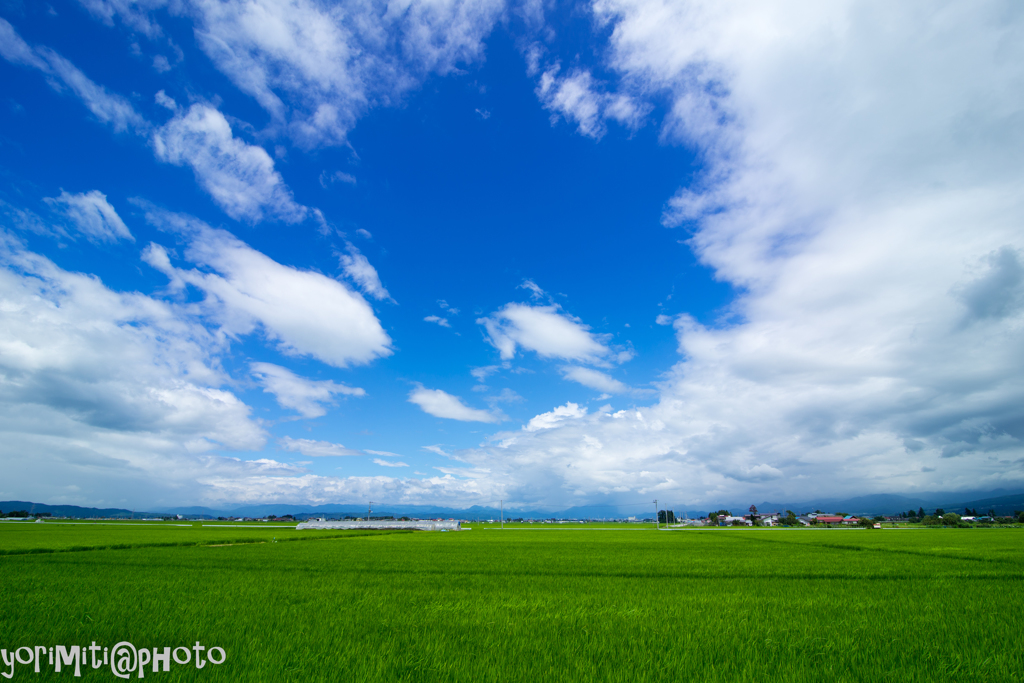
(525,605)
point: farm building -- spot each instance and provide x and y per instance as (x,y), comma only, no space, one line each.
(422,525)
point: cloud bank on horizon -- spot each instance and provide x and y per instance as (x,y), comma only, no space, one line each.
(826,299)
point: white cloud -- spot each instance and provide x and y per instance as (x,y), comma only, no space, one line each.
(238,176)
(315,449)
(578,99)
(443,322)
(165,101)
(506,395)
(535,291)
(358,269)
(306,313)
(445,307)
(388,463)
(386,454)
(594,379)
(440,404)
(105,106)
(132,12)
(304,396)
(552,418)
(862,196)
(481,374)
(546,331)
(316,68)
(328,179)
(84,368)
(435,449)
(93,215)
(14,49)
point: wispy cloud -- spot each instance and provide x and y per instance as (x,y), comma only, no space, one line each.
(92,215)
(389,463)
(316,449)
(239,177)
(305,396)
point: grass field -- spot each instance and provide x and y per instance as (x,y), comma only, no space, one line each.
(526,605)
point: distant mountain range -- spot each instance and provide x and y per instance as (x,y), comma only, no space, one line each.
(1000,501)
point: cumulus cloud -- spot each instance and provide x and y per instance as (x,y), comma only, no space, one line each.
(82,364)
(594,379)
(238,176)
(304,312)
(305,396)
(552,418)
(861,194)
(117,399)
(93,215)
(441,404)
(315,449)
(106,106)
(544,330)
(358,269)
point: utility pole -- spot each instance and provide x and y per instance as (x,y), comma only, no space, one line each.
(656,526)
(369,510)
(501,506)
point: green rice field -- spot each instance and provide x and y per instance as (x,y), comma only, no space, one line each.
(533,603)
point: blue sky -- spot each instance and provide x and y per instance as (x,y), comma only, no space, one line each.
(556,254)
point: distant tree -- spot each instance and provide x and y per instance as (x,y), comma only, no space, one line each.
(950,519)
(991,513)
(738,522)
(753,511)
(939,512)
(790,519)
(714,518)
(1020,518)
(920,512)
(865,522)
(724,512)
